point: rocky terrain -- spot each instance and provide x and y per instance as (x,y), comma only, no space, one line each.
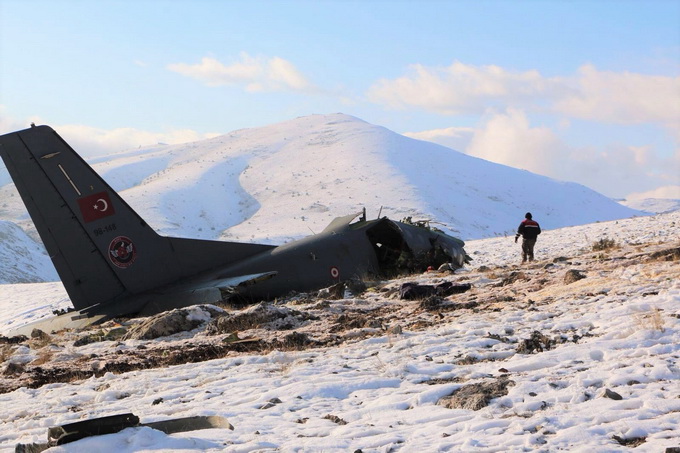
(540,345)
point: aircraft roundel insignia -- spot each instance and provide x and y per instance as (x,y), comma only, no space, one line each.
(122,252)
(335,272)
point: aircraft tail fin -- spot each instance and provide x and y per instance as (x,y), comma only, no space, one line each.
(102,250)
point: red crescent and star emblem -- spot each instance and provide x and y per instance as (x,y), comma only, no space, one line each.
(96,206)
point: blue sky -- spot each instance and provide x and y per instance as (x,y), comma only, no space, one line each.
(585,91)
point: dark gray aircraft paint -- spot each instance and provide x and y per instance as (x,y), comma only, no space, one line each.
(112,263)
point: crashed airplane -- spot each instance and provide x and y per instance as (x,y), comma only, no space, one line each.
(112,263)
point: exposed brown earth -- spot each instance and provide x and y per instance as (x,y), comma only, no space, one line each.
(306,321)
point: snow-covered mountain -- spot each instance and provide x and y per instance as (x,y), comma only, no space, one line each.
(284,181)
(653,205)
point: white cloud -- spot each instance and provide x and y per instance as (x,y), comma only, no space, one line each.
(667,192)
(623,98)
(461,88)
(602,96)
(253,74)
(90,141)
(457,138)
(9,124)
(508,139)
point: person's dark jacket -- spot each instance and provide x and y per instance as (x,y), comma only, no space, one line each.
(529,229)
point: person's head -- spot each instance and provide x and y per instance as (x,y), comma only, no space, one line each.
(527,215)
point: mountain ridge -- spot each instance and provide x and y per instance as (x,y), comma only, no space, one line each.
(281,182)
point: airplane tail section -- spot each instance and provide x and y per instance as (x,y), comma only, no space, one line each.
(102,250)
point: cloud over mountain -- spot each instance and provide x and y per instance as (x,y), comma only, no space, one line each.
(254,74)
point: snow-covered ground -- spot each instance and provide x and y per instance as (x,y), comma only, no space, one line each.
(617,332)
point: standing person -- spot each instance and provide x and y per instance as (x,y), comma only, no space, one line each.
(529,230)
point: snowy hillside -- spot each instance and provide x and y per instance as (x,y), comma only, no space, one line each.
(22,259)
(284,181)
(526,360)
(653,205)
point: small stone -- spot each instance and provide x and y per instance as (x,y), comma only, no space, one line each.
(572,276)
(39,334)
(612,395)
(395,330)
(335,419)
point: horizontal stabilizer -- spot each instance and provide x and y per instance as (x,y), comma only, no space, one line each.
(70,320)
(205,292)
(242,281)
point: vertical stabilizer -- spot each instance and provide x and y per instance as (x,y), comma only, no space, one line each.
(100,247)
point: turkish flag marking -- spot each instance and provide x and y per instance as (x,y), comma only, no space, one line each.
(95,207)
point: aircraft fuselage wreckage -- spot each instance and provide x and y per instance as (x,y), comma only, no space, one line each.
(112,263)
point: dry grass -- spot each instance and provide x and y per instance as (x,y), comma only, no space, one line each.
(604,244)
(6,351)
(44,356)
(651,320)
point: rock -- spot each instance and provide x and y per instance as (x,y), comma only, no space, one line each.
(415,291)
(431,303)
(335,419)
(612,395)
(572,276)
(630,442)
(356,286)
(13,340)
(256,316)
(395,330)
(13,369)
(172,322)
(39,334)
(476,396)
(271,403)
(537,342)
(512,278)
(336,291)
(296,340)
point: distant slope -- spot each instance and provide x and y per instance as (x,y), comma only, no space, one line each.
(22,259)
(283,181)
(653,205)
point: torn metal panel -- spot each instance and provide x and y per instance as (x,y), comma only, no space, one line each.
(71,432)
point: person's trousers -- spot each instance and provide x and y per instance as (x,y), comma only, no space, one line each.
(528,249)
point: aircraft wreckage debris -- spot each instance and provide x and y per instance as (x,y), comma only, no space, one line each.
(71,432)
(113,264)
